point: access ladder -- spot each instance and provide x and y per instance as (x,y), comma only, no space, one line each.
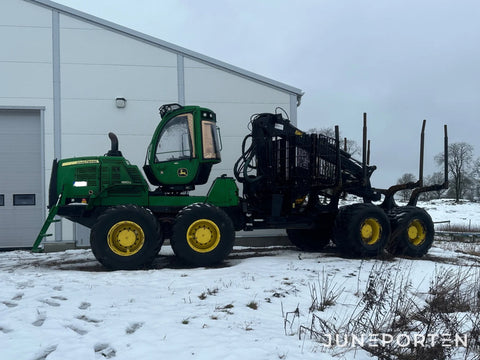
(48,221)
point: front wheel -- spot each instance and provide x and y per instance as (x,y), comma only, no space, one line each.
(412,231)
(202,235)
(126,237)
(361,230)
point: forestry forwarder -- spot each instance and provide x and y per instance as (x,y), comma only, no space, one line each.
(291,180)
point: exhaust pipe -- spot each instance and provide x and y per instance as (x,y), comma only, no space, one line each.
(114,147)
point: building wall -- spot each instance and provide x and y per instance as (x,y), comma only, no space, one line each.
(97,64)
(26,60)
(25,56)
(26,82)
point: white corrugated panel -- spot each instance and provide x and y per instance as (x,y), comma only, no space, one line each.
(21,194)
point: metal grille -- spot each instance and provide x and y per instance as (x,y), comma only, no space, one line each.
(324,154)
(134,175)
(88,174)
(115,175)
(310,158)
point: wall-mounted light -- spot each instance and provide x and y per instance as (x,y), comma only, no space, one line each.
(120,102)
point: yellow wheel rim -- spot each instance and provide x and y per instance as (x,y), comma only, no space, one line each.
(416,232)
(370,231)
(203,235)
(125,238)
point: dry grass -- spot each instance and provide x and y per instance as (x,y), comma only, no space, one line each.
(388,305)
(252,305)
(325,293)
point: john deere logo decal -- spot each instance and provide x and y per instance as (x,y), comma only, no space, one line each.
(182,172)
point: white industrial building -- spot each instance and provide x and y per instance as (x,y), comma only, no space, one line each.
(61,73)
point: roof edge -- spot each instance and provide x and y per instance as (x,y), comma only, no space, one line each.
(171,47)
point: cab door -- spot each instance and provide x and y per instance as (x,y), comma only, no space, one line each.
(175,155)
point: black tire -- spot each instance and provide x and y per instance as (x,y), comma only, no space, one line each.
(203,235)
(126,237)
(361,230)
(412,231)
(309,240)
(316,239)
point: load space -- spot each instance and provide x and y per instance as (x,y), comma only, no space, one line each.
(289,180)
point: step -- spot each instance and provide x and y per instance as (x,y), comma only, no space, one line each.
(56,246)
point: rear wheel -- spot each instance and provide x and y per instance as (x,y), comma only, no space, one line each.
(202,235)
(361,230)
(126,237)
(412,231)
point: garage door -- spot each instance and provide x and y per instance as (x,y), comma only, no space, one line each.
(21,192)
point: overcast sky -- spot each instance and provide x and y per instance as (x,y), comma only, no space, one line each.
(401,61)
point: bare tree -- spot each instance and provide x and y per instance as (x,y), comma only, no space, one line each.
(435,178)
(347,145)
(476,169)
(327,131)
(352,147)
(406,178)
(460,157)
(476,179)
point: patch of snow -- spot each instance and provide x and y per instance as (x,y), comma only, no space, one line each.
(66,306)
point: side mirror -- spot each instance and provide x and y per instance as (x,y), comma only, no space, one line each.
(219,138)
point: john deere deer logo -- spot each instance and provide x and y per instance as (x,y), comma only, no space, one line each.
(182,172)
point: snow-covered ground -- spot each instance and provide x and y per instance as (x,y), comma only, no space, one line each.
(464,213)
(66,306)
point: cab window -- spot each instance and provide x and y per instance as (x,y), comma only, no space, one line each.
(210,140)
(176,140)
